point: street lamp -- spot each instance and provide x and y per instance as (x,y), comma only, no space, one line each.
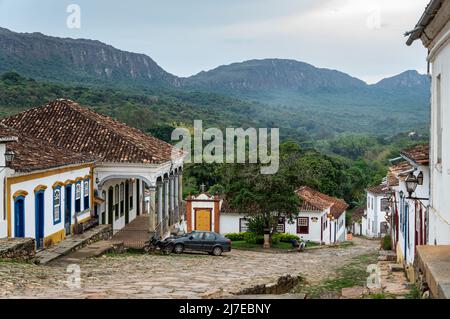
(9,156)
(420,178)
(411,183)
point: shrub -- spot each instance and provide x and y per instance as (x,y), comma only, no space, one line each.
(285,238)
(256,225)
(387,242)
(236,236)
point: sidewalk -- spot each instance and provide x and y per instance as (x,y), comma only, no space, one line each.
(73,243)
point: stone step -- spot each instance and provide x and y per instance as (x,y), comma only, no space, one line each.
(396,268)
(94,250)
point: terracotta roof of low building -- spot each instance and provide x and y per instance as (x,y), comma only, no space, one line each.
(32,154)
(313,200)
(358,213)
(379,189)
(81,130)
(419,154)
(395,171)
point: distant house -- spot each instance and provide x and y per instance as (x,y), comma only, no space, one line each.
(374,221)
(321,218)
(120,167)
(356,226)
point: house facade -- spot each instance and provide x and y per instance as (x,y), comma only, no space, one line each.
(120,172)
(374,222)
(47,190)
(433,30)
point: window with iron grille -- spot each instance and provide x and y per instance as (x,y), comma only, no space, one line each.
(281,225)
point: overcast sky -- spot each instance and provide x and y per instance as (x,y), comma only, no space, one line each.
(361,37)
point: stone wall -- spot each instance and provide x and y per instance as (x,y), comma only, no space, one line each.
(19,249)
(283,285)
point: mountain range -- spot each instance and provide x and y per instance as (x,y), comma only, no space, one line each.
(302,93)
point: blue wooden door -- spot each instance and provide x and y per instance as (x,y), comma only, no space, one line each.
(39,219)
(19,218)
(68,209)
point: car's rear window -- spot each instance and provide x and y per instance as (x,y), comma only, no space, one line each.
(210,236)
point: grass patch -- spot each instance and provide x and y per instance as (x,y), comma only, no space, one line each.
(246,245)
(352,274)
(414,293)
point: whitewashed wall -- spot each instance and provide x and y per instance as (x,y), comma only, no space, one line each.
(229,223)
(375,215)
(30,214)
(440,176)
(3,221)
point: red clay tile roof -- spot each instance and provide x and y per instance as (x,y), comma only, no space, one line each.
(419,154)
(31,154)
(395,170)
(68,125)
(313,200)
(379,189)
(358,213)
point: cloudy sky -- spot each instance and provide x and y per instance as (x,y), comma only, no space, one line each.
(361,37)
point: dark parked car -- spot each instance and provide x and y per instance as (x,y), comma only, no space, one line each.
(209,242)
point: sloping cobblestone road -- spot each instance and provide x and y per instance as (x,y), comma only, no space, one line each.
(174,276)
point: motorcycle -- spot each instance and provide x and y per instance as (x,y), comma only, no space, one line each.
(300,246)
(155,244)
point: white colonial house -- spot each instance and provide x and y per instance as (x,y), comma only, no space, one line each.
(321,218)
(93,166)
(433,29)
(374,222)
(37,180)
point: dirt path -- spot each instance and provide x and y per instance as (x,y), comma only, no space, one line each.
(174,276)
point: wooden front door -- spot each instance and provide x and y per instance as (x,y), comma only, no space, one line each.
(203,219)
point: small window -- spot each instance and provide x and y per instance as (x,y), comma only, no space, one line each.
(280,225)
(243,225)
(57,205)
(86,194)
(78,197)
(303,225)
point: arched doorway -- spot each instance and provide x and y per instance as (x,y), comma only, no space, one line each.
(19,217)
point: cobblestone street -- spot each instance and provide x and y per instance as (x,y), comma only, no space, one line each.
(173,276)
